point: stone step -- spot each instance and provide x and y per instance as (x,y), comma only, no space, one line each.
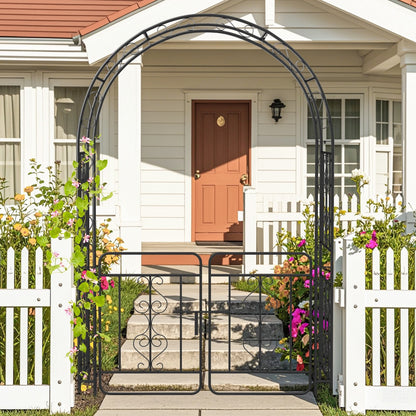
(170,304)
(166,355)
(219,381)
(222,326)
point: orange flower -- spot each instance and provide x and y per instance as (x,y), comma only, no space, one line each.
(17,226)
(38,214)
(28,189)
(120,240)
(19,197)
(32,241)
(9,218)
(105,240)
(106,231)
(25,232)
(33,222)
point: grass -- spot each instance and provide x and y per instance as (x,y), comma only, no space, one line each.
(328,405)
(110,325)
(88,411)
(251,284)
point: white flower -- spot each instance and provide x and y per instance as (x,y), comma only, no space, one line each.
(304,305)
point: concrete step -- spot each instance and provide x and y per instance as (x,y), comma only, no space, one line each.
(237,355)
(206,403)
(219,381)
(222,326)
(165,354)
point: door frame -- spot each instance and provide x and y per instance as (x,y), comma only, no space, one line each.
(193,143)
(249,96)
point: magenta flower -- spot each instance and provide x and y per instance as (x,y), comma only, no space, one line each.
(54,214)
(362,233)
(86,238)
(85,139)
(307,284)
(76,183)
(303,327)
(112,283)
(372,244)
(84,275)
(291,259)
(302,243)
(104,283)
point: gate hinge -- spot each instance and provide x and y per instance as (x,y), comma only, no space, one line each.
(339,296)
(341,396)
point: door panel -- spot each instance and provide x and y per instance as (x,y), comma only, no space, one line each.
(221,133)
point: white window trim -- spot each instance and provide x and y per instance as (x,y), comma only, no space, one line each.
(52,80)
(27,138)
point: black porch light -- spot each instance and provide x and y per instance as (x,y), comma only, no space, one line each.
(276,107)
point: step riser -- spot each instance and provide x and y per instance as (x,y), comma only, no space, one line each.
(218,332)
(240,360)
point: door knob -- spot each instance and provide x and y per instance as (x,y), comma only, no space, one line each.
(197,174)
(244,179)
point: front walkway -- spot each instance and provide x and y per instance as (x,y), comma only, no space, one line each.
(206,403)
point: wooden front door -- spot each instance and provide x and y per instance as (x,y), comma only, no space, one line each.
(221,136)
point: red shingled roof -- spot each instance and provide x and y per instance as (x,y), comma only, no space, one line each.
(67,18)
(60,18)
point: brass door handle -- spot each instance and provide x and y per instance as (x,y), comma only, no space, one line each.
(244,179)
(197,174)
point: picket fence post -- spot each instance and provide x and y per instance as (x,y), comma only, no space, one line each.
(354,357)
(250,228)
(62,391)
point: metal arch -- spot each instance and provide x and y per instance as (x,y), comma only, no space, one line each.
(305,78)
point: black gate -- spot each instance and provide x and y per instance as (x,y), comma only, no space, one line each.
(306,79)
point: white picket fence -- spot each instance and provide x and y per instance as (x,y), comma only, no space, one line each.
(261,223)
(59,395)
(392,349)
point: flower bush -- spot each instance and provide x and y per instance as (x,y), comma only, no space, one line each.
(47,209)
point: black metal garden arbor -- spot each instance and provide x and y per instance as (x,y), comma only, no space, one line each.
(324,145)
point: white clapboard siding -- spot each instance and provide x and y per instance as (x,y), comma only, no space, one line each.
(274,214)
(17,393)
(380,393)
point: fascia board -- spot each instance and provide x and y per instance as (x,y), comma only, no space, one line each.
(385,14)
(106,40)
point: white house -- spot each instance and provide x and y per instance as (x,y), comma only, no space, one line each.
(182,125)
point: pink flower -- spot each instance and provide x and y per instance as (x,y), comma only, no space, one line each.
(112,283)
(90,179)
(302,243)
(68,311)
(85,139)
(86,238)
(372,244)
(71,222)
(55,201)
(54,214)
(55,254)
(104,283)
(73,350)
(362,233)
(75,183)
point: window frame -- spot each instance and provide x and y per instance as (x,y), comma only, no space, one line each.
(52,80)
(338,142)
(389,147)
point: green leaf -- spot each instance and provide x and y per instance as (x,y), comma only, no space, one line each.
(87,306)
(84,287)
(83,347)
(75,164)
(74,369)
(67,234)
(77,310)
(96,288)
(69,189)
(104,198)
(66,216)
(101,164)
(42,241)
(99,300)
(54,233)
(78,259)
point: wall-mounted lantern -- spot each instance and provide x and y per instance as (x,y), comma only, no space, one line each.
(276,107)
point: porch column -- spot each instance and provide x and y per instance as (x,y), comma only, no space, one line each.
(407,52)
(129,158)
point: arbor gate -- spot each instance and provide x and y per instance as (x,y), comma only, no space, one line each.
(321,289)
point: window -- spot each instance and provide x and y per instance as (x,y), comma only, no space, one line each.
(10,138)
(68,103)
(389,150)
(346,120)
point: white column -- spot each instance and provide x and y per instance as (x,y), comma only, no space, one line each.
(129,158)
(408,67)
(249,224)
